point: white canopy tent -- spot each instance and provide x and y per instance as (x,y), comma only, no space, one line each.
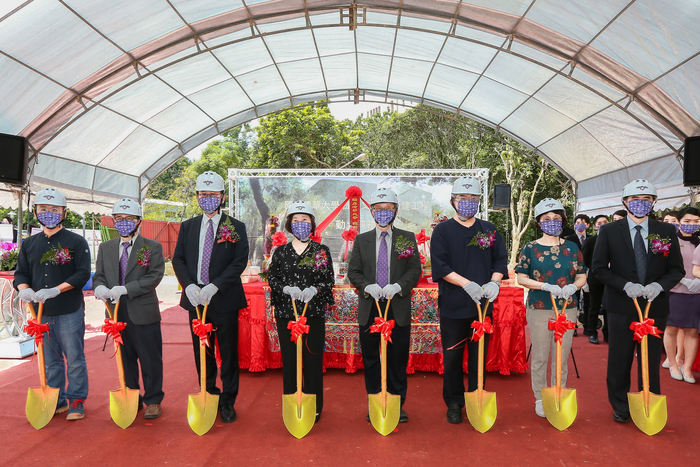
(110,94)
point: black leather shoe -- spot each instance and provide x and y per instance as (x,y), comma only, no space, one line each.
(621,417)
(454,414)
(318,417)
(228,413)
(403,418)
(593,340)
(368,417)
(575,332)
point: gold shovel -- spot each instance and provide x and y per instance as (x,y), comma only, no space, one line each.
(123,402)
(481,405)
(648,410)
(384,408)
(42,401)
(299,409)
(202,407)
(560,405)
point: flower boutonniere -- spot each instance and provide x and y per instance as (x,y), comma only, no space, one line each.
(404,247)
(318,260)
(227,232)
(144,256)
(659,244)
(58,255)
(483,240)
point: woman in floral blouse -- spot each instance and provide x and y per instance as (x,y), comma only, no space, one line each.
(549,265)
(303,271)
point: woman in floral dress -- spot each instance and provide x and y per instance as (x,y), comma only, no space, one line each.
(303,271)
(549,265)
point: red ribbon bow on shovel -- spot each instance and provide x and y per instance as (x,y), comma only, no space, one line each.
(298,328)
(560,326)
(114,329)
(644,328)
(481,328)
(385,327)
(202,330)
(37,330)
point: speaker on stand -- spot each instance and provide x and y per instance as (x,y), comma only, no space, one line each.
(501,197)
(691,162)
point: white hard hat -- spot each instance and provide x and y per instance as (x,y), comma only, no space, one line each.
(210,181)
(127,206)
(300,207)
(639,187)
(383,195)
(50,196)
(548,205)
(466,186)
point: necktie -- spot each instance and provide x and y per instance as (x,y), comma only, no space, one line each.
(123,262)
(640,255)
(206,252)
(383,262)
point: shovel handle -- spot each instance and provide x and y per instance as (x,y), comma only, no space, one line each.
(645,354)
(480,372)
(40,346)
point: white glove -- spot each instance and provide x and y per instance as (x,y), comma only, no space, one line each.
(585,288)
(491,290)
(293,292)
(568,290)
(308,293)
(375,291)
(44,294)
(633,290)
(102,293)
(390,290)
(475,291)
(207,292)
(116,293)
(26,295)
(693,285)
(554,289)
(193,293)
(652,291)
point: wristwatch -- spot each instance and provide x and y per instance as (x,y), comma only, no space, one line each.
(498,283)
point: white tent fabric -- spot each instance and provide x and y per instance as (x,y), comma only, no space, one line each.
(110,93)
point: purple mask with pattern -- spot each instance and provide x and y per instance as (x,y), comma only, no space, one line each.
(209,204)
(639,207)
(467,208)
(301,230)
(49,219)
(384,217)
(125,227)
(552,227)
(580,228)
(688,228)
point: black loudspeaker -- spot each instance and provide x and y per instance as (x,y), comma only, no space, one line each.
(501,196)
(13,159)
(691,162)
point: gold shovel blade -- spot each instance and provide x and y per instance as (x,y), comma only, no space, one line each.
(201,411)
(481,414)
(654,420)
(299,420)
(123,406)
(384,423)
(560,411)
(41,406)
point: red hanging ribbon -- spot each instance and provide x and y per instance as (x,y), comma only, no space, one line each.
(351,192)
(114,329)
(481,328)
(644,328)
(385,327)
(202,330)
(560,326)
(298,328)
(279,239)
(421,237)
(33,328)
(349,236)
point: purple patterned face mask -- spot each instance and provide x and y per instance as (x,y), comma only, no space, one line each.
(552,227)
(688,228)
(383,217)
(125,227)
(209,204)
(301,230)
(467,208)
(49,219)
(580,228)
(639,207)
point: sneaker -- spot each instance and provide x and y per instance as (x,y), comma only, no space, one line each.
(539,410)
(62,409)
(77,410)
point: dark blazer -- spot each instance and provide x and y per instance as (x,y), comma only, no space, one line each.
(362,271)
(587,251)
(228,261)
(574,238)
(140,282)
(614,265)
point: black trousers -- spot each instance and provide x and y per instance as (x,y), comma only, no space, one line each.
(143,343)
(620,355)
(453,333)
(596,308)
(586,305)
(312,358)
(396,356)
(226,326)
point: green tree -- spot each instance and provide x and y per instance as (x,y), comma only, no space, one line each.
(165,184)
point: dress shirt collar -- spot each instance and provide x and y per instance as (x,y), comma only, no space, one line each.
(215,219)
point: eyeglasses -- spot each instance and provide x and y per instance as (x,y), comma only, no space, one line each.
(53,210)
(126,218)
(466,197)
(376,209)
(555,218)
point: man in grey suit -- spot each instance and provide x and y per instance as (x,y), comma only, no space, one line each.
(385,264)
(132,267)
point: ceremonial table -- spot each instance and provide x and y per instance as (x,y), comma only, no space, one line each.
(259,344)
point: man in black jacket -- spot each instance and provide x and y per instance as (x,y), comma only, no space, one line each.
(581,224)
(595,287)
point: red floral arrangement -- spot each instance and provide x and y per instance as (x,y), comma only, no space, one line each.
(279,239)
(227,232)
(660,245)
(483,240)
(58,255)
(144,257)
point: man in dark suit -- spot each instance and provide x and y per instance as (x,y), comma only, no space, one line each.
(595,287)
(629,265)
(385,264)
(581,224)
(132,266)
(210,256)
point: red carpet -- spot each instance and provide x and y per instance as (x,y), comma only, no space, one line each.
(343,436)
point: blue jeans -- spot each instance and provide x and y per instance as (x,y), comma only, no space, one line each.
(64,344)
